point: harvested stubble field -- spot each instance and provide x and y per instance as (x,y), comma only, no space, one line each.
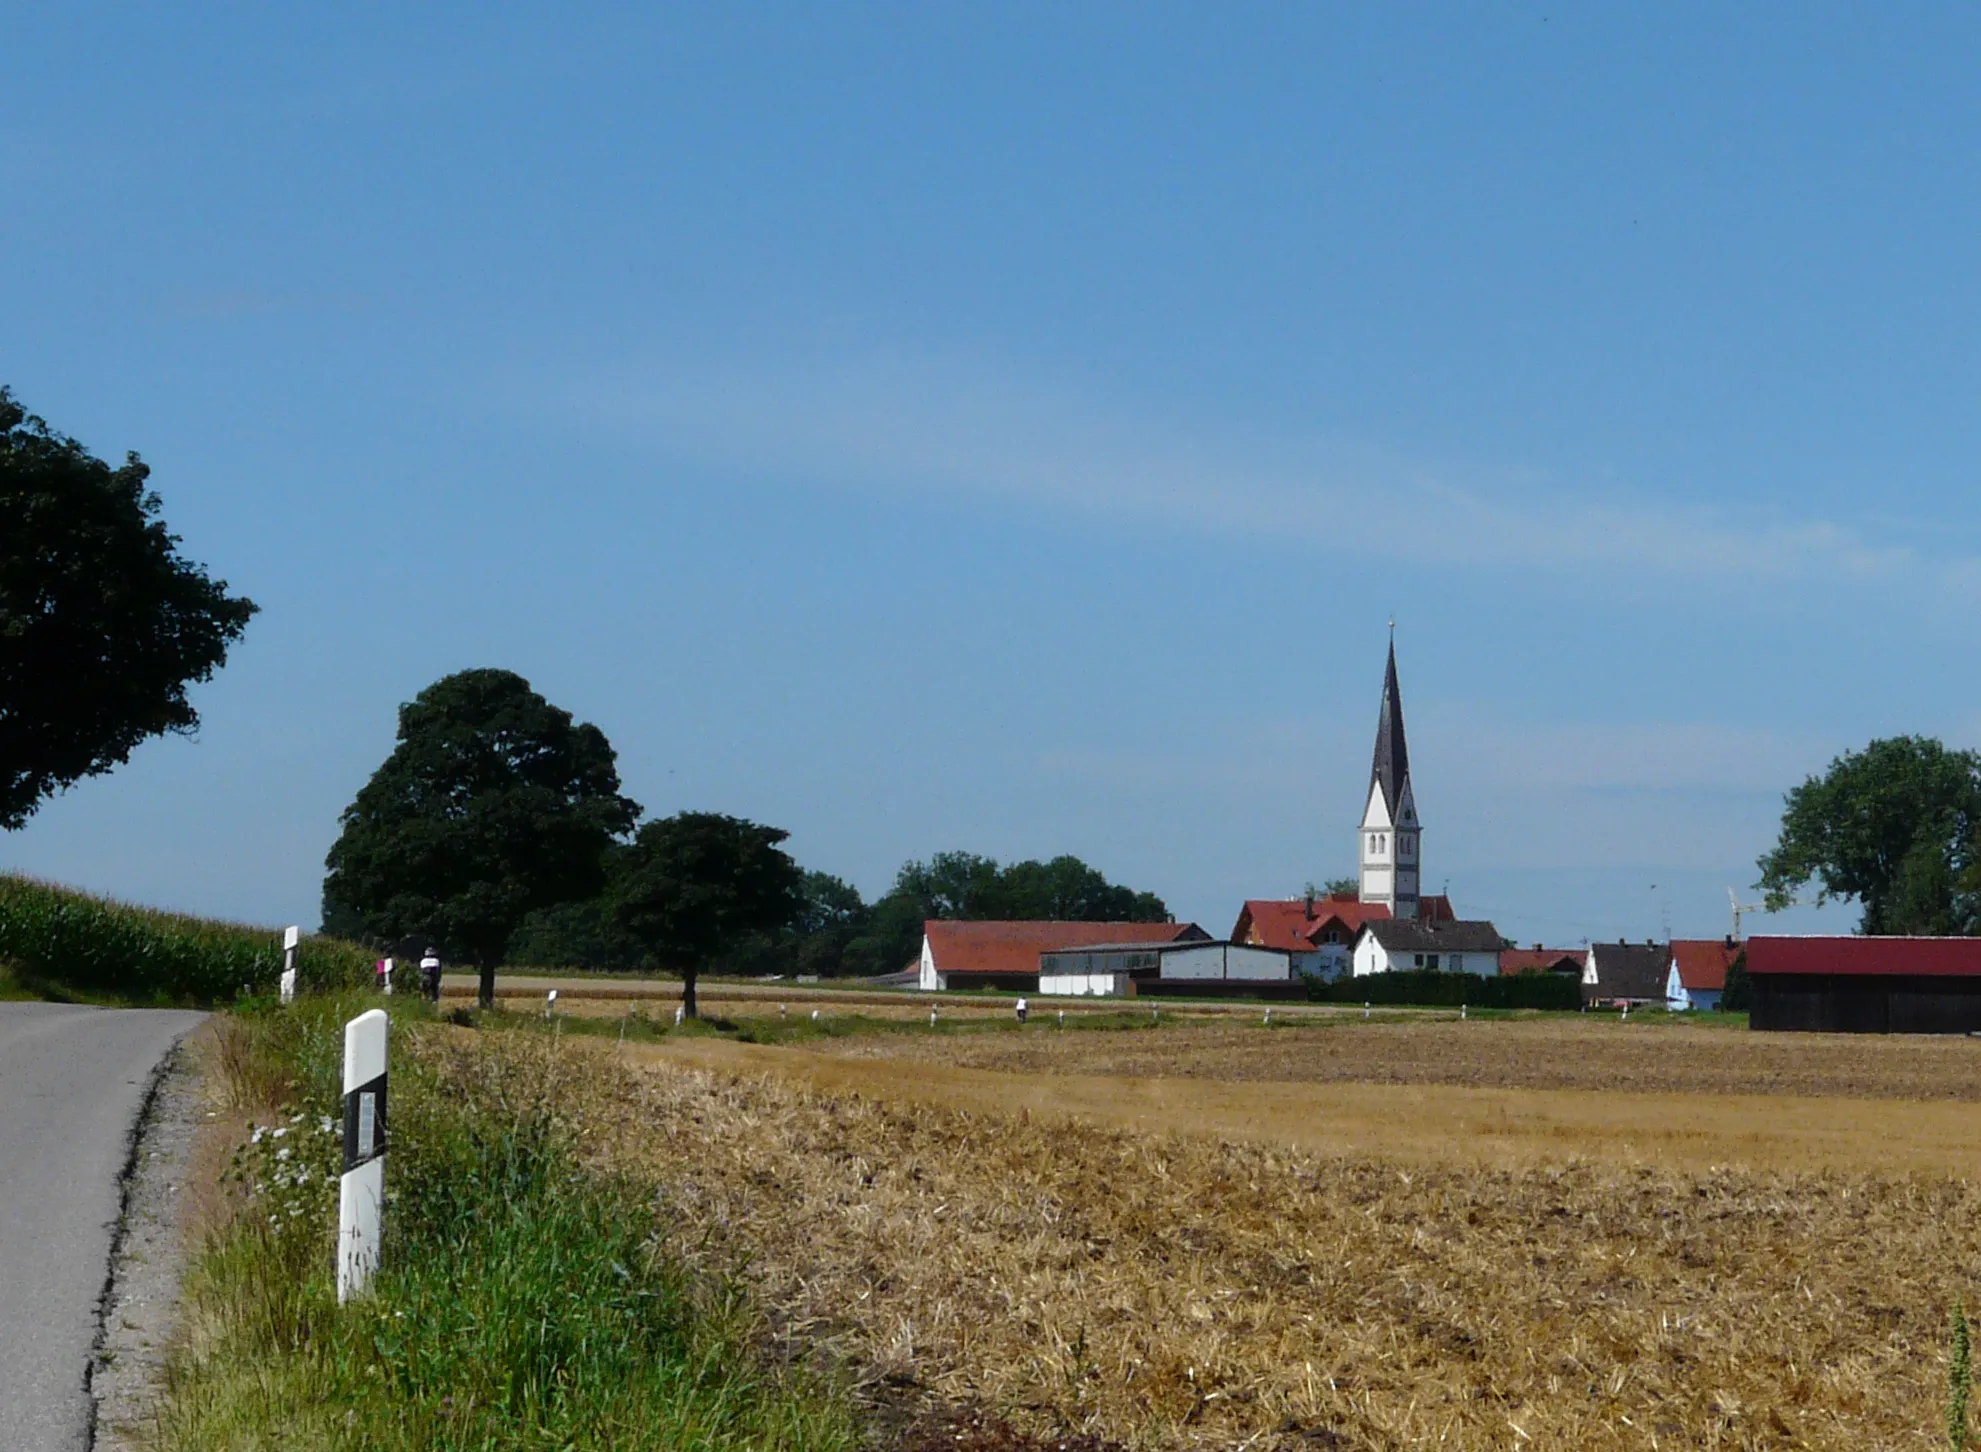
(1168,1290)
(1647,1055)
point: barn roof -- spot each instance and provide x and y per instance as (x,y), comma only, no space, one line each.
(1014,947)
(1878,957)
(1703,962)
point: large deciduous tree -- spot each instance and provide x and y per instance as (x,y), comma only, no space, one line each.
(494,803)
(103,624)
(689,885)
(1897,826)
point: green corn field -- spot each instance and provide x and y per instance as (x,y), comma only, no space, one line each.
(57,938)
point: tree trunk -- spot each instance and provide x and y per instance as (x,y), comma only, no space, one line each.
(688,1008)
(487,998)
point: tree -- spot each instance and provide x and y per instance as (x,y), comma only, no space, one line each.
(103,624)
(492,805)
(1340,887)
(1068,890)
(689,885)
(1896,826)
(1737,993)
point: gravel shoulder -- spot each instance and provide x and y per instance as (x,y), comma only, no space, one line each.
(141,1302)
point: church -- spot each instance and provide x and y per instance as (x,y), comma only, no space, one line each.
(1387,922)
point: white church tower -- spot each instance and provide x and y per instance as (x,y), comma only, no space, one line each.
(1390,831)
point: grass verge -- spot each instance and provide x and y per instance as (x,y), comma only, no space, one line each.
(523,1302)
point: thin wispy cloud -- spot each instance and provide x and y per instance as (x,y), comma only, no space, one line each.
(954,429)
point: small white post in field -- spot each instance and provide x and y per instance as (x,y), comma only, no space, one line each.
(931,1018)
(290,938)
(1062,1018)
(815,1015)
(361,1196)
(680,1012)
(385,978)
(1461,1012)
(1365,1010)
(783,1010)
(1269,1018)
(550,1003)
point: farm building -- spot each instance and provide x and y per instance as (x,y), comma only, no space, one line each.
(1006,954)
(1116,970)
(1866,985)
(1627,975)
(1698,972)
(1538,959)
(1320,930)
(1391,945)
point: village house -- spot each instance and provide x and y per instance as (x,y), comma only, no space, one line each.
(1319,930)
(1538,959)
(1398,945)
(1626,975)
(1698,973)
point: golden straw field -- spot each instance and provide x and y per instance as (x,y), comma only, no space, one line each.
(1223,1237)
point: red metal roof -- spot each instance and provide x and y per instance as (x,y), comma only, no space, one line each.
(1292,925)
(1925,957)
(1014,947)
(1703,962)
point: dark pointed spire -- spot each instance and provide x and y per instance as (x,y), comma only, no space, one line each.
(1392,764)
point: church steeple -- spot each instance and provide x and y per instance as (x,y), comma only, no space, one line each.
(1390,833)
(1392,764)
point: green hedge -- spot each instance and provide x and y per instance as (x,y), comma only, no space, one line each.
(58,938)
(1430,989)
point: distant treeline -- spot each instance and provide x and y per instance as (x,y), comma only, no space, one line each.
(836,933)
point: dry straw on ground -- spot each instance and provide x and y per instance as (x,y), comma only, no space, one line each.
(1186,1292)
(1644,1055)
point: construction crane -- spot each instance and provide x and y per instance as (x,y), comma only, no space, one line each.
(1740,907)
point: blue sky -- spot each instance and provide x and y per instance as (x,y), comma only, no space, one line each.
(1010,428)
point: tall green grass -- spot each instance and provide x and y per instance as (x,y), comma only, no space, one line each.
(61,941)
(521,1303)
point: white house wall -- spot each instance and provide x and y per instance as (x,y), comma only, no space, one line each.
(928,982)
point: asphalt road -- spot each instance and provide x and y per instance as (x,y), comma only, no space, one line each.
(71,1083)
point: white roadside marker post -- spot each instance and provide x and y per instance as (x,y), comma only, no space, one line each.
(361,1197)
(290,938)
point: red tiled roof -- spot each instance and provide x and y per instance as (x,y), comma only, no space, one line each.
(1289,923)
(1925,957)
(1540,960)
(1702,962)
(1014,947)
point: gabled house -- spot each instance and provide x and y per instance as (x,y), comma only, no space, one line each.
(1698,972)
(1006,954)
(1624,974)
(1319,931)
(1390,945)
(1538,959)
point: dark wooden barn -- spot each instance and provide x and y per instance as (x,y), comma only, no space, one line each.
(1866,985)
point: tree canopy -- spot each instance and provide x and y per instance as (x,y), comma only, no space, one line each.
(493,804)
(689,885)
(1895,826)
(103,624)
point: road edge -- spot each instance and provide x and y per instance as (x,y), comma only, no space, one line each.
(137,1309)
